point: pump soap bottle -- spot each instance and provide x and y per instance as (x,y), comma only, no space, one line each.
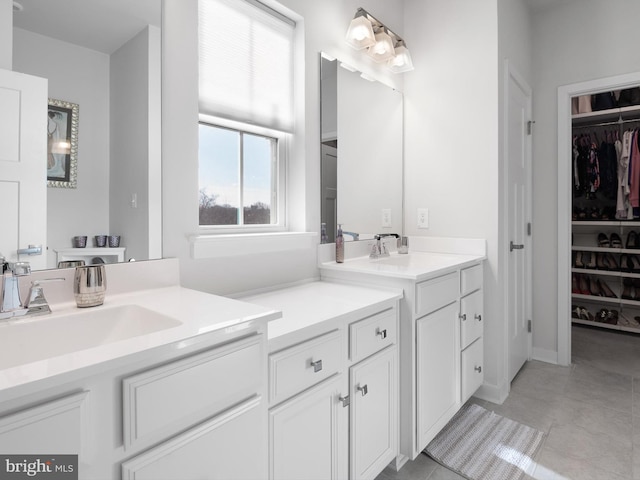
(339,245)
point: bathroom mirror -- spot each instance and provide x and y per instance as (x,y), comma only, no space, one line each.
(361,154)
(104,56)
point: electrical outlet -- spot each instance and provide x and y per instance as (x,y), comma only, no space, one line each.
(423,218)
(386,218)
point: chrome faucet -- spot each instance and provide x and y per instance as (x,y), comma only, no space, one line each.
(11,304)
(37,304)
(379,249)
(354,235)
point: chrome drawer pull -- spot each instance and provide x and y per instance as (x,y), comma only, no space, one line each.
(478,317)
(346,400)
(478,369)
(462,316)
(382,333)
(317,366)
(364,390)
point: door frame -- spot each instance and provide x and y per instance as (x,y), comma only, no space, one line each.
(565,92)
(510,72)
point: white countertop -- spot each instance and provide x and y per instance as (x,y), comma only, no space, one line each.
(307,307)
(415,266)
(197,313)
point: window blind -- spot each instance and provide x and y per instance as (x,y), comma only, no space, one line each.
(246,63)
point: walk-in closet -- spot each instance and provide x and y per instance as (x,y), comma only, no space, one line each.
(605,270)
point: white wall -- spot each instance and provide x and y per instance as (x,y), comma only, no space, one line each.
(134,89)
(324,26)
(451,137)
(574,42)
(81,76)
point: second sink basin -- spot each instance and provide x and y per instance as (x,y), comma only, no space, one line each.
(46,337)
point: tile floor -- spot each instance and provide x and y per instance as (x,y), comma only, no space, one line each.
(589,412)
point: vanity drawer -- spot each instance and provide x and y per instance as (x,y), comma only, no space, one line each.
(471,325)
(299,367)
(436,293)
(162,401)
(472,369)
(470,279)
(372,334)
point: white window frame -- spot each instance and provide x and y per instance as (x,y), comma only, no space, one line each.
(283,150)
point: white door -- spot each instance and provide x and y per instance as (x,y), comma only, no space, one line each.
(23,166)
(518,163)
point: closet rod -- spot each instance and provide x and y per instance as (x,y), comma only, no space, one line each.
(604,124)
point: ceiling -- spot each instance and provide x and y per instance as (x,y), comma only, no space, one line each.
(101,25)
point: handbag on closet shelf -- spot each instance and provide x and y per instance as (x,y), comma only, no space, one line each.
(629,96)
(584,104)
(603,101)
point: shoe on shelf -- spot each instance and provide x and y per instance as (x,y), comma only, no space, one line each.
(626,291)
(589,259)
(605,290)
(601,316)
(616,241)
(603,240)
(625,263)
(634,264)
(575,311)
(575,288)
(600,262)
(583,285)
(611,261)
(632,240)
(578,260)
(594,287)
(612,317)
(586,314)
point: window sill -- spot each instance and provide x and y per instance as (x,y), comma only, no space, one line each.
(230,245)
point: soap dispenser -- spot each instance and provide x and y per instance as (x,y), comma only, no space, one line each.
(339,245)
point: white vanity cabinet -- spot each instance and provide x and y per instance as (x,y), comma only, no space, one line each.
(439,340)
(191,410)
(55,426)
(202,406)
(333,386)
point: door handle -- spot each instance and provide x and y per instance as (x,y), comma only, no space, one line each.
(32,250)
(515,246)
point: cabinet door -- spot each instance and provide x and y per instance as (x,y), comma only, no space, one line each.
(471,324)
(374,417)
(437,371)
(51,427)
(308,435)
(229,446)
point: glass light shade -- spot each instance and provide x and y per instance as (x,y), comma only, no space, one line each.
(401,62)
(383,49)
(360,33)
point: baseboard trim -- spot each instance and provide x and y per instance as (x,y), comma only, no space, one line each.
(493,393)
(548,356)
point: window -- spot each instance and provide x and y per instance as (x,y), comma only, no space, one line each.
(246,113)
(239,177)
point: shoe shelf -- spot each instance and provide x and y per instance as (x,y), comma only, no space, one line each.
(609,300)
(606,273)
(581,248)
(623,328)
(605,223)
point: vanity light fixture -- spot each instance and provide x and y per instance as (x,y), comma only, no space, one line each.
(382,45)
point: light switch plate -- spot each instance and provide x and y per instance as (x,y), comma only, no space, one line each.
(423,218)
(386,218)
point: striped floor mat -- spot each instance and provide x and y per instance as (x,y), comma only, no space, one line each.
(481,445)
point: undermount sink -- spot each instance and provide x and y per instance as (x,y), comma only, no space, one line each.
(46,337)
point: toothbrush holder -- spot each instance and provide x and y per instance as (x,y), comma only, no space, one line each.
(90,285)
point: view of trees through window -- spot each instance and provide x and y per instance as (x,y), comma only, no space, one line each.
(236,176)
